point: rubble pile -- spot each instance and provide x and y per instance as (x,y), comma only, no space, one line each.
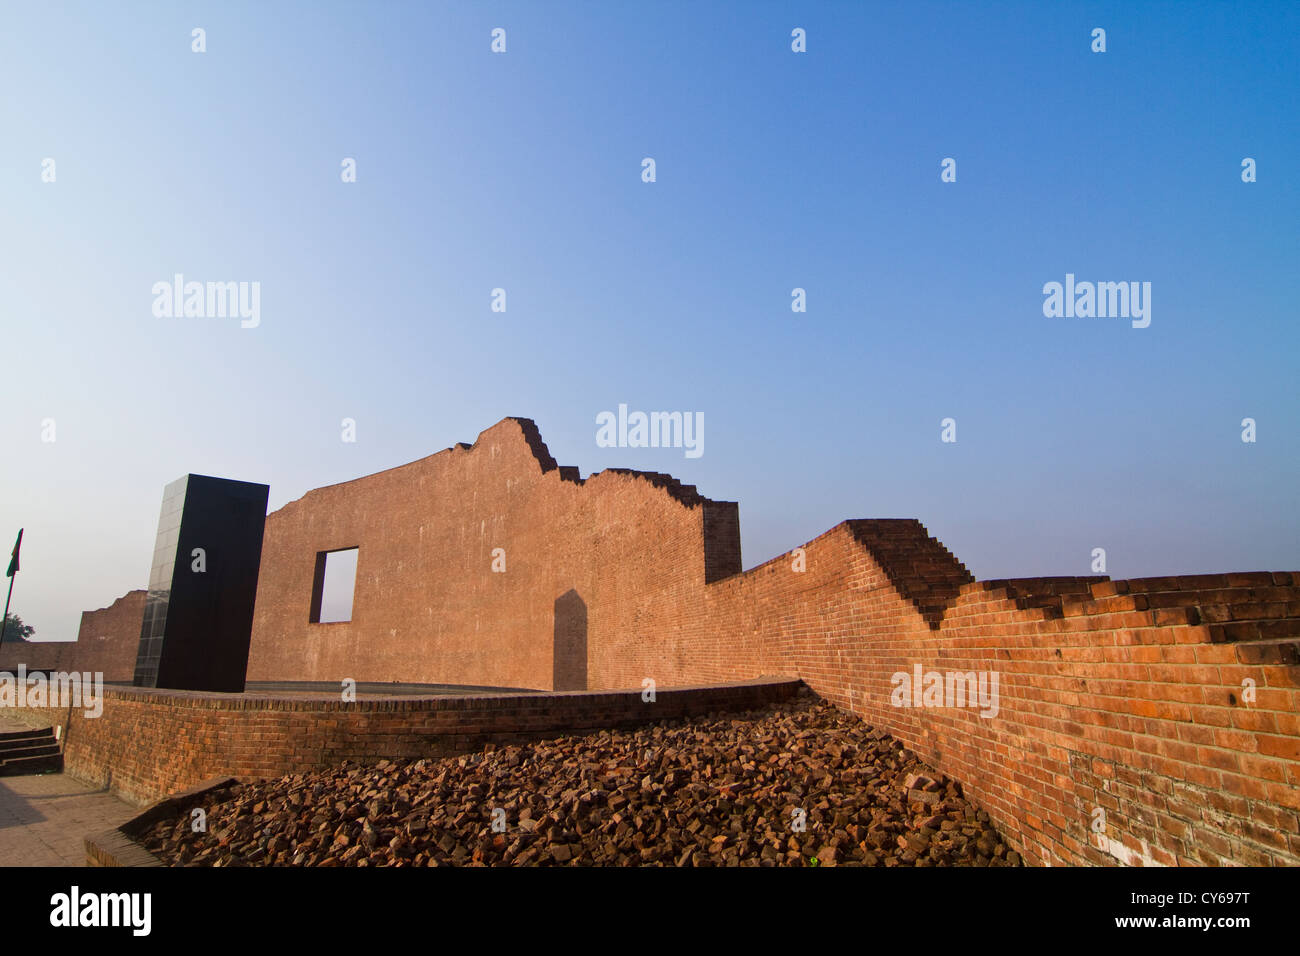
(801,784)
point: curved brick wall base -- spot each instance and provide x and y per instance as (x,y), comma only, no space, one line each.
(150,743)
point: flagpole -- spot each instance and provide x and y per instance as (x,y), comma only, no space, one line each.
(13,573)
(5,622)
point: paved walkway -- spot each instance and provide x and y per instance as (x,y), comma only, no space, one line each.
(44,818)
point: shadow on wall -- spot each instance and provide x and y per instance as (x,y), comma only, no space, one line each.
(570,667)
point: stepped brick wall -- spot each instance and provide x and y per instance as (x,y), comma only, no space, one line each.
(1162,711)
(1139,722)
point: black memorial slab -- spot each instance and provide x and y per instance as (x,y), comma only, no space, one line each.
(198,616)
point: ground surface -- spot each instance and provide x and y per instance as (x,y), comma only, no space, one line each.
(802,784)
(45,818)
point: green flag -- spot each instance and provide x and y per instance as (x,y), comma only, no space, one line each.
(13,563)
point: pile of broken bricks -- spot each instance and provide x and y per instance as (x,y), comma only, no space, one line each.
(798,784)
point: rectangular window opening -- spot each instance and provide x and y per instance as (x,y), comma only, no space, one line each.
(334,586)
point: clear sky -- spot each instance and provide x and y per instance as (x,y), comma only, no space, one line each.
(775,170)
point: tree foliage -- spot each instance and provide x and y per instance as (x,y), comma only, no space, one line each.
(16,630)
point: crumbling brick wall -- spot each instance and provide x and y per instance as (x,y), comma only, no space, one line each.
(1144,722)
(1127,728)
(106,643)
(1141,722)
(621,553)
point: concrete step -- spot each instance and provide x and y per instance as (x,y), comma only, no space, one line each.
(14,744)
(29,751)
(21,766)
(31,732)
(36,750)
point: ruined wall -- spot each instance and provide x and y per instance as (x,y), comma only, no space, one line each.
(109,638)
(1162,711)
(106,642)
(1124,698)
(620,552)
(1128,697)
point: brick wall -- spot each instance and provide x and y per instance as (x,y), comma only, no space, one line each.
(633,549)
(1128,697)
(1120,697)
(106,642)
(1162,711)
(148,743)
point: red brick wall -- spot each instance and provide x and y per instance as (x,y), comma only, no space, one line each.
(1122,697)
(106,642)
(110,637)
(38,655)
(1128,699)
(428,607)
(148,743)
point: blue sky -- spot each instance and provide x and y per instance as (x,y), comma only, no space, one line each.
(775,170)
